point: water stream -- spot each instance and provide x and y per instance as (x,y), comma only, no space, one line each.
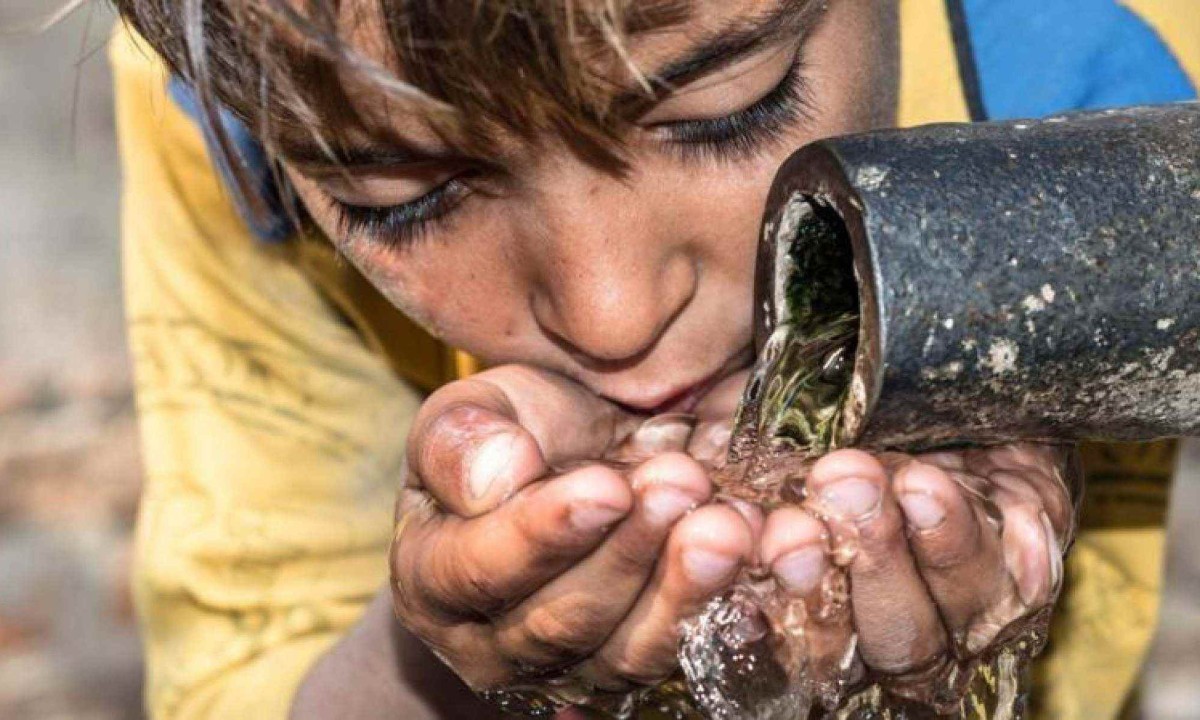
(756,653)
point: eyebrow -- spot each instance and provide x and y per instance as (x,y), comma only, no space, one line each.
(358,157)
(729,45)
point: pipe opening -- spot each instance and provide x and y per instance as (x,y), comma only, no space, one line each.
(801,387)
(819,283)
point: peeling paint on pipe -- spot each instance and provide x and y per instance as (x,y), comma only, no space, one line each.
(1019,280)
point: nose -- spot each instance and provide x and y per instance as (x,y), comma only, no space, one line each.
(612,272)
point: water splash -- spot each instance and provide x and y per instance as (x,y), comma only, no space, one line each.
(748,655)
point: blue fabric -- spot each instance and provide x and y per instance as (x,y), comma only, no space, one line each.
(277,226)
(1040,57)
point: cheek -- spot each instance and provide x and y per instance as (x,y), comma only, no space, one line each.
(852,70)
(457,288)
(455,285)
(724,208)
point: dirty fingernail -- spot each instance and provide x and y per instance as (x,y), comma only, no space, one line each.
(591,518)
(801,571)
(708,568)
(853,499)
(922,510)
(663,506)
(488,463)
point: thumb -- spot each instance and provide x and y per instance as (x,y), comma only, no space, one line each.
(477,441)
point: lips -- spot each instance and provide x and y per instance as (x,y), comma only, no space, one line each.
(684,398)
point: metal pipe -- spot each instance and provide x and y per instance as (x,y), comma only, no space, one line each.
(1033,280)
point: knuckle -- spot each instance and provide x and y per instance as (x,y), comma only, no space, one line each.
(483,591)
(943,550)
(552,637)
(450,581)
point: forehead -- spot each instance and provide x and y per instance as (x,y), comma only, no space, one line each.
(362,24)
(523,63)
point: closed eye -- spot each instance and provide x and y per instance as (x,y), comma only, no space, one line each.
(742,133)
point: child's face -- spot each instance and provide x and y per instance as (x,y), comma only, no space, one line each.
(637,285)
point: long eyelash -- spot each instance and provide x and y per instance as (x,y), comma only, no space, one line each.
(742,134)
(404,224)
(730,138)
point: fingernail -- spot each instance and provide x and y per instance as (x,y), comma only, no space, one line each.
(708,568)
(663,506)
(488,463)
(663,433)
(591,518)
(801,571)
(922,510)
(853,499)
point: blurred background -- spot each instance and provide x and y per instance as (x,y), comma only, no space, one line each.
(69,470)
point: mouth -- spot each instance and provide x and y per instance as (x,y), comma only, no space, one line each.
(685,397)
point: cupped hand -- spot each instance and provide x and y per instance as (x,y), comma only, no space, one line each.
(547,538)
(948,555)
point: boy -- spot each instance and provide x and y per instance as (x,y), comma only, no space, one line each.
(570,192)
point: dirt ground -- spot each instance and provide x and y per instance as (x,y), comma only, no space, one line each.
(69,471)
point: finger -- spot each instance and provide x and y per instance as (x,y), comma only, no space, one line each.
(702,556)
(574,613)
(1038,472)
(478,566)
(656,435)
(709,442)
(959,555)
(795,548)
(714,414)
(569,422)
(477,441)
(471,459)
(1031,551)
(1040,469)
(898,624)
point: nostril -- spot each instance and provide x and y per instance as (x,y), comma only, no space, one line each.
(614,319)
(602,346)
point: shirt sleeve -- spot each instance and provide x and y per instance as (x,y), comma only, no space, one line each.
(272,431)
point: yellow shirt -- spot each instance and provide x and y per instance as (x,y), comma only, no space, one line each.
(275,388)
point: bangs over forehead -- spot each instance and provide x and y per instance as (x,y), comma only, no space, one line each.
(290,68)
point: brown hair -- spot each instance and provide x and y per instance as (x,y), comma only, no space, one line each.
(470,66)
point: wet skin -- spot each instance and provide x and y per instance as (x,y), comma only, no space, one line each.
(601,299)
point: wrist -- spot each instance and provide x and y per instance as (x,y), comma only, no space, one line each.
(379,669)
